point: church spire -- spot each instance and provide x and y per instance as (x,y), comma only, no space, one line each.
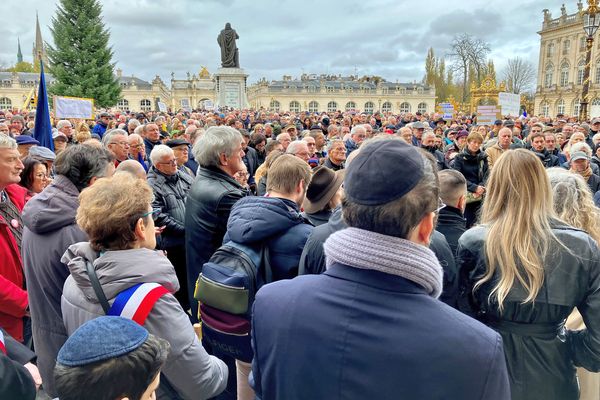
(38,50)
(19,54)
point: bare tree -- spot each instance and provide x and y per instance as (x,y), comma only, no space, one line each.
(519,75)
(467,50)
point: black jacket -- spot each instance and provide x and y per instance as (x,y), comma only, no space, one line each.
(169,196)
(252,163)
(594,183)
(207,210)
(149,146)
(439,157)
(548,159)
(312,260)
(473,167)
(540,353)
(452,224)
(327,163)
(319,218)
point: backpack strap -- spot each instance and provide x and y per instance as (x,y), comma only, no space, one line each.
(2,345)
(265,263)
(136,302)
(97,287)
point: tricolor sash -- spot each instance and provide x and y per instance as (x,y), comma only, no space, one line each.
(2,346)
(136,302)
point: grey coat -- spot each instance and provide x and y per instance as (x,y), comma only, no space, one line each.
(189,369)
(50,228)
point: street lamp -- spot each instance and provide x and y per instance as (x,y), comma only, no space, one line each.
(591,22)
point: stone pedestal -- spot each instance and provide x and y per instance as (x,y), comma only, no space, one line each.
(230,85)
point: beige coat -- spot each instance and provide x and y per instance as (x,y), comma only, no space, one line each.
(494,154)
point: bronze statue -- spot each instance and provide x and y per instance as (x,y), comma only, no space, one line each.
(229,51)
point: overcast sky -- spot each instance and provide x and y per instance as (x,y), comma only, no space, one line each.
(389,38)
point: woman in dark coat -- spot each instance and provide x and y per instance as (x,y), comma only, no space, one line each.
(473,164)
(522,272)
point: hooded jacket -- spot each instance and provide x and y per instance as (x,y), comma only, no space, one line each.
(189,369)
(50,228)
(548,159)
(13,297)
(275,221)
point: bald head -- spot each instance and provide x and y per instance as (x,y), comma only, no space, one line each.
(132,167)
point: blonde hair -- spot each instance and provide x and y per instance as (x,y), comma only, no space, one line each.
(110,208)
(573,201)
(286,172)
(518,210)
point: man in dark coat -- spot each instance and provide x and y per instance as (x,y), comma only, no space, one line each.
(50,228)
(250,158)
(538,146)
(170,187)
(151,134)
(428,144)
(451,221)
(298,324)
(210,199)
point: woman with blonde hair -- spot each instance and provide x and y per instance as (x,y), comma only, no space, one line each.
(574,204)
(522,272)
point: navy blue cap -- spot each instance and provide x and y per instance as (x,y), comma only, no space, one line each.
(101,339)
(26,139)
(383,171)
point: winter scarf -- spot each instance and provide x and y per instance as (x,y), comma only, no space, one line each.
(363,249)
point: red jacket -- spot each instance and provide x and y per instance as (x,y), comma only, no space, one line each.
(13,297)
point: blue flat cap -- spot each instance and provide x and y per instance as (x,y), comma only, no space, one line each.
(101,339)
(26,139)
(42,153)
(383,171)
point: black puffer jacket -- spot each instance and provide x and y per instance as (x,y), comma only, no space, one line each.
(169,195)
(548,159)
(541,354)
(474,167)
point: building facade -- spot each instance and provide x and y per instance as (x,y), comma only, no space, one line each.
(561,66)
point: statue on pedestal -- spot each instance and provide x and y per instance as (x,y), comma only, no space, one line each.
(229,50)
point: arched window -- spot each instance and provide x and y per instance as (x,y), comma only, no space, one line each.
(549,75)
(545,109)
(313,106)
(580,68)
(564,74)
(5,103)
(386,107)
(422,108)
(145,105)
(597,74)
(404,107)
(350,106)
(294,106)
(274,105)
(560,106)
(331,106)
(369,106)
(123,105)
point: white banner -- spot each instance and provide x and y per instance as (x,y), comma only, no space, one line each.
(510,103)
(162,107)
(73,107)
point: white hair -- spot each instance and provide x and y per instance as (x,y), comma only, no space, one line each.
(356,128)
(295,146)
(158,152)
(215,141)
(428,133)
(108,136)
(6,142)
(581,146)
(62,123)
(133,121)
(596,138)
(139,130)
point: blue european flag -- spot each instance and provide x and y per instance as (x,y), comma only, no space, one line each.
(43,129)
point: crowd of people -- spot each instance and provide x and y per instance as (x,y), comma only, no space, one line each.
(397,256)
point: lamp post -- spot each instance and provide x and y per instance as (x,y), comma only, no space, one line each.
(591,22)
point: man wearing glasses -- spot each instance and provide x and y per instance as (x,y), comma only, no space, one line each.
(116,142)
(137,149)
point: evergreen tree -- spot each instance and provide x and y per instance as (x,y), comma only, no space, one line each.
(80,59)
(430,68)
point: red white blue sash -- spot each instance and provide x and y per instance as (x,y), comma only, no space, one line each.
(2,346)
(136,302)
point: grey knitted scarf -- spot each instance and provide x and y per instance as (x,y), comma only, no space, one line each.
(363,249)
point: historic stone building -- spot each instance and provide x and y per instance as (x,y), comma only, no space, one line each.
(561,65)
(330,93)
(197,91)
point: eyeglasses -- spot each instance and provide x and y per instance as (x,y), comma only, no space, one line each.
(154,213)
(171,162)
